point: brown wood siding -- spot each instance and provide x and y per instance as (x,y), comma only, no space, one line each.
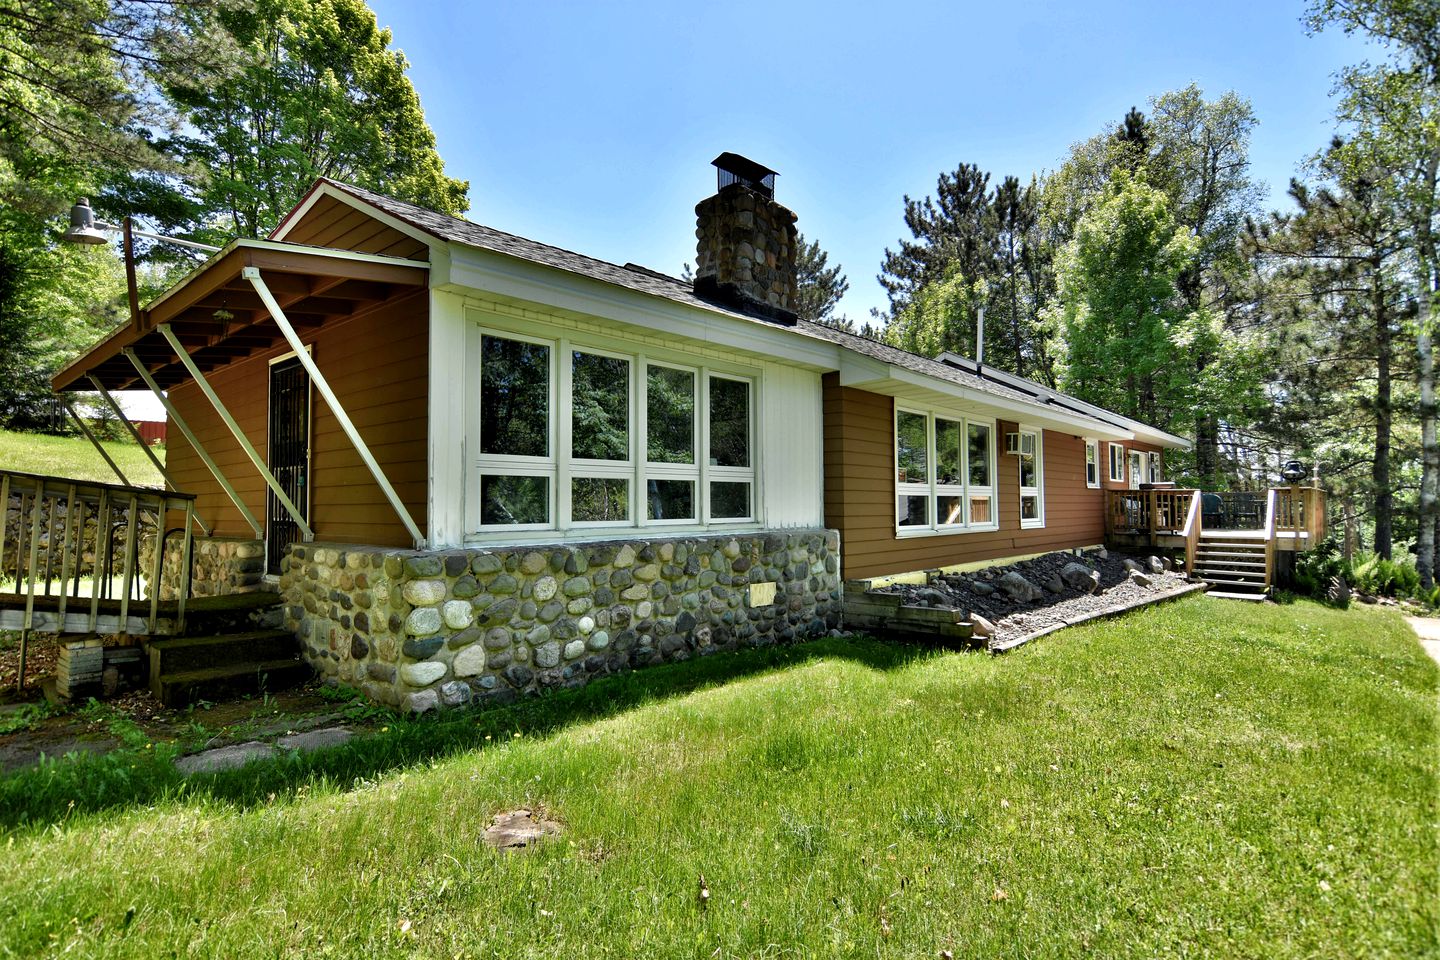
(378,365)
(1129,445)
(860,495)
(331,223)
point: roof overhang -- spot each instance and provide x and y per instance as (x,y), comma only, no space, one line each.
(219,318)
(877,376)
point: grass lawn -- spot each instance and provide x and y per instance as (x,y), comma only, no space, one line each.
(1199,779)
(75,457)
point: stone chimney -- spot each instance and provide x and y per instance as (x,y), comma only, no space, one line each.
(745,250)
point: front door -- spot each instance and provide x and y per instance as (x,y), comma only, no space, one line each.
(289,456)
(1137,469)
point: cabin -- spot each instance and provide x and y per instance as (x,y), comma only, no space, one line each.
(473,465)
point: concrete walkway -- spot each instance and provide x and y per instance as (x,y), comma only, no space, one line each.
(1428,629)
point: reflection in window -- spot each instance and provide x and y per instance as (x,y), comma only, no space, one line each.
(729,423)
(947,453)
(508,501)
(979,454)
(913,511)
(729,501)
(599,499)
(911,444)
(600,407)
(670,411)
(671,499)
(514,398)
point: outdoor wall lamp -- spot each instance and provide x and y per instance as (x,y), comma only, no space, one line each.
(87,230)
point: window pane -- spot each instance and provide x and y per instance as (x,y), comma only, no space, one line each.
(729,423)
(671,499)
(1030,508)
(511,500)
(910,437)
(1027,470)
(947,452)
(670,407)
(950,509)
(599,499)
(514,397)
(729,501)
(981,511)
(914,511)
(979,449)
(600,407)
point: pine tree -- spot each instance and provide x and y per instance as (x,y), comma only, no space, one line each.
(819,286)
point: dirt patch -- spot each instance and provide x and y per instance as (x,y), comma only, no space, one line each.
(40,656)
(138,718)
(1053,601)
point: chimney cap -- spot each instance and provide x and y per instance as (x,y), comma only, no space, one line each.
(734,168)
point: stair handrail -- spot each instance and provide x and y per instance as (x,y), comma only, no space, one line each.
(1191,532)
(1269,535)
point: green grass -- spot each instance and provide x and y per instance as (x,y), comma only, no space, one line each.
(74,457)
(1198,779)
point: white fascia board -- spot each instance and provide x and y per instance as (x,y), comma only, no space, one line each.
(1162,439)
(1030,413)
(481,271)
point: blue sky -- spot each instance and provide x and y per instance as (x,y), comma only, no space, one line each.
(591,126)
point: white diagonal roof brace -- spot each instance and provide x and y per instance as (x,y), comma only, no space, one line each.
(318,379)
(245,445)
(95,443)
(143,445)
(195,444)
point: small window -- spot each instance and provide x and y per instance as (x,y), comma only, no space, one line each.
(979,455)
(670,412)
(599,407)
(1032,506)
(1117,462)
(1092,463)
(1155,466)
(910,440)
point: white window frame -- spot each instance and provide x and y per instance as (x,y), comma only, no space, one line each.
(1137,468)
(932,490)
(586,468)
(1156,474)
(1092,459)
(561,467)
(511,465)
(1038,490)
(1111,450)
(714,473)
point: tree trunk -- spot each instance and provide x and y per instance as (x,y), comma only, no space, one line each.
(1430,454)
(1384,506)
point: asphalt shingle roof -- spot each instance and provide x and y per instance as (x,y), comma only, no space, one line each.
(652,282)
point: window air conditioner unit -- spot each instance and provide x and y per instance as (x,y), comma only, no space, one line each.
(1020,443)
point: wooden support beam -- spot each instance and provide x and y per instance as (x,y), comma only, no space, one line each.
(196,445)
(255,459)
(95,443)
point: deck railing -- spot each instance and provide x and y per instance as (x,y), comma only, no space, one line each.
(1300,511)
(1152,512)
(72,545)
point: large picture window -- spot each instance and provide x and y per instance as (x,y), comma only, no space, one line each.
(944,473)
(574,436)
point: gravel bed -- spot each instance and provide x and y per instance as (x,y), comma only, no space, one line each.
(981,592)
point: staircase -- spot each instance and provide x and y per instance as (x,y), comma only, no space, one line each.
(1235,567)
(233,646)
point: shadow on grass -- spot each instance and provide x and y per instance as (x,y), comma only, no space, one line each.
(57,789)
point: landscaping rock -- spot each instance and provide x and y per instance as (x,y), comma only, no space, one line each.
(322,739)
(224,758)
(1019,588)
(1139,579)
(1154,564)
(980,627)
(1054,584)
(1077,576)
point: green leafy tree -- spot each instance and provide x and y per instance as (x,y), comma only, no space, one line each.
(1391,114)
(818,286)
(321,93)
(942,316)
(1123,319)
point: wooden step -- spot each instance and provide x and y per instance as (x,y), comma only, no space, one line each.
(1245,548)
(1222,582)
(1226,595)
(183,654)
(232,680)
(1230,562)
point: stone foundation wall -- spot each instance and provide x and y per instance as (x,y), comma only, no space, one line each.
(219,566)
(425,630)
